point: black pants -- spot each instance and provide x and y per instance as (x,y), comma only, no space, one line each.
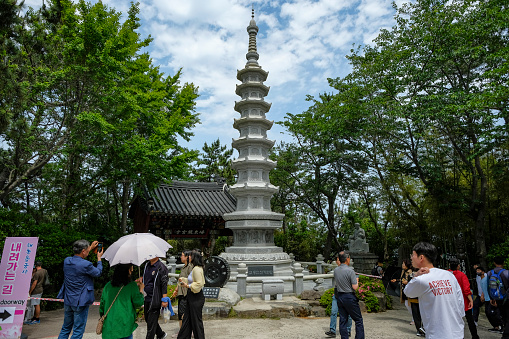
(504,312)
(476,309)
(151,318)
(471,324)
(181,306)
(348,305)
(193,321)
(416,314)
(493,314)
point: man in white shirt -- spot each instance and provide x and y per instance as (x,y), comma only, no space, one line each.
(440,296)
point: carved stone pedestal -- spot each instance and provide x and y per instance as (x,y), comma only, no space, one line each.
(364,262)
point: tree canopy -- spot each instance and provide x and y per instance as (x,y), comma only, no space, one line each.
(425,108)
(87,118)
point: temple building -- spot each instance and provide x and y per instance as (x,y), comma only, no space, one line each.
(189,210)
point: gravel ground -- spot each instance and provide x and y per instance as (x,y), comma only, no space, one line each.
(386,325)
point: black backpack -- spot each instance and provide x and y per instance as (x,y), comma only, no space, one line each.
(374,270)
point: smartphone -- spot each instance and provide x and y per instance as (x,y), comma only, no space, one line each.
(99,247)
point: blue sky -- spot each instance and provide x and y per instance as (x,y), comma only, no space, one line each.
(301,43)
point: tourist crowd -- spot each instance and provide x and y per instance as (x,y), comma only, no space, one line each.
(436,299)
(122,296)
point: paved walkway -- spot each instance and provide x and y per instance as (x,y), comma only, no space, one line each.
(385,325)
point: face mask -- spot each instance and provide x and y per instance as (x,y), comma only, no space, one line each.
(479,274)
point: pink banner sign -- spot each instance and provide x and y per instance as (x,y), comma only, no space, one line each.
(15,274)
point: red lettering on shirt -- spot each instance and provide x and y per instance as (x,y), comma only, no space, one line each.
(440,287)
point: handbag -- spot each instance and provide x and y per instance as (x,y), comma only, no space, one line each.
(100,323)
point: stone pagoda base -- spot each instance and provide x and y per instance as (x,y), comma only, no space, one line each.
(258,256)
(363,262)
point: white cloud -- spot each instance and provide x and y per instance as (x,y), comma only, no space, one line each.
(300,42)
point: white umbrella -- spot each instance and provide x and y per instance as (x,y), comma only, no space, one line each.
(136,249)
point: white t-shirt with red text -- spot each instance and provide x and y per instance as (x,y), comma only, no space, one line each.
(440,303)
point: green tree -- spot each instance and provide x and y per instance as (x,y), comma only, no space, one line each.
(215,161)
(433,77)
(322,167)
(90,116)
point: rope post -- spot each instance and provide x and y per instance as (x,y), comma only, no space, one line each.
(298,284)
(172,268)
(319,262)
(242,279)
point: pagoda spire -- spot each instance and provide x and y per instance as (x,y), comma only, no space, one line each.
(252,54)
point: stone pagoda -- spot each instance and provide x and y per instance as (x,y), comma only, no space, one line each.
(253,222)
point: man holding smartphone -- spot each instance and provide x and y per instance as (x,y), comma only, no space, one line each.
(78,288)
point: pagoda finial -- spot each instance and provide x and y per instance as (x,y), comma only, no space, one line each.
(252,54)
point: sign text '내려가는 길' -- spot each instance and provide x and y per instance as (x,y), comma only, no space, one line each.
(15,274)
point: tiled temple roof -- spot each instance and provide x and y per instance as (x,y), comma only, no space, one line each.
(183,198)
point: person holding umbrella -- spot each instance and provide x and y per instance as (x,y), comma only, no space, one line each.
(119,300)
(136,249)
(155,278)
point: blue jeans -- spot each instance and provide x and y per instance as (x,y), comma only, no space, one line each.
(129,337)
(348,305)
(75,320)
(334,316)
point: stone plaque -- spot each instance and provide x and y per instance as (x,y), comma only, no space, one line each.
(211,292)
(260,271)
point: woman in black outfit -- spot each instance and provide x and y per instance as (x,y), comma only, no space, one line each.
(406,271)
(192,321)
(416,313)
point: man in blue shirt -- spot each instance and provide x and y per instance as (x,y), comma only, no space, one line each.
(78,288)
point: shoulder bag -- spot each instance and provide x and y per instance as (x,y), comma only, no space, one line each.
(100,323)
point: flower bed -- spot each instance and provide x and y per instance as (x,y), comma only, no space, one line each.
(365,292)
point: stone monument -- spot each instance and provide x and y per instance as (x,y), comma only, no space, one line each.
(253,222)
(359,251)
(357,241)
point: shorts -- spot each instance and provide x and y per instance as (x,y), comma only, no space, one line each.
(181,306)
(36,301)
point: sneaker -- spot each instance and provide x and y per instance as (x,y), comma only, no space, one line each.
(163,336)
(330,334)
(494,330)
(419,334)
(33,322)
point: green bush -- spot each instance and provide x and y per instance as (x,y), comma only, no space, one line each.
(367,287)
(371,301)
(326,300)
(501,250)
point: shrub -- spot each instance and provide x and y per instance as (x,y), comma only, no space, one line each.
(367,287)
(371,301)
(326,300)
